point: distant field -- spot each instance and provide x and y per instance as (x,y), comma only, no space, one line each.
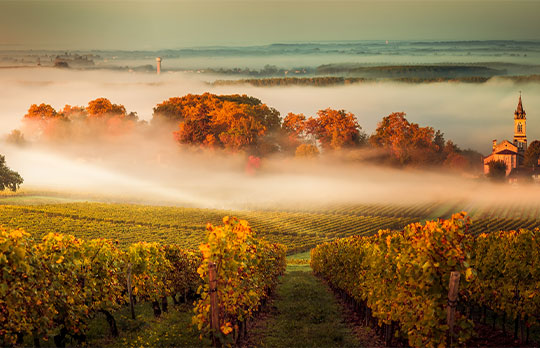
(299,229)
(186,226)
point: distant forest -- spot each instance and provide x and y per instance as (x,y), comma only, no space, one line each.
(323,81)
(343,74)
(336,81)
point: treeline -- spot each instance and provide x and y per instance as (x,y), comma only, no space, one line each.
(293,81)
(322,81)
(410,71)
(401,279)
(426,71)
(240,123)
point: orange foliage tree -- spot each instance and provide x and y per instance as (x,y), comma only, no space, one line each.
(103,107)
(408,143)
(41,112)
(336,129)
(233,122)
(44,121)
(100,117)
(294,128)
(295,124)
(307,151)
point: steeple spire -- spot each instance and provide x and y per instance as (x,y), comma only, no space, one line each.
(520,113)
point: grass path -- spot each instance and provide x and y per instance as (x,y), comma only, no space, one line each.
(304,313)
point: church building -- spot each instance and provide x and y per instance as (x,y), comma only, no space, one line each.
(512,153)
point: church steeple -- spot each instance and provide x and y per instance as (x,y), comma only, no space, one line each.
(520,127)
(520,113)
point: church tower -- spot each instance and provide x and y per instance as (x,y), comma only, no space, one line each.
(520,128)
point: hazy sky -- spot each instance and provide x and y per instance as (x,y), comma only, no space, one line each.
(154,24)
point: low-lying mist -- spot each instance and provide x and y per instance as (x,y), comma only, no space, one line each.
(217,180)
(155,169)
(470,114)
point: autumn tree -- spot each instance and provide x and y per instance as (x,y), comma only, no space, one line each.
(532,154)
(8,178)
(16,137)
(234,122)
(41,112)
(456,161)
(103,107)
(450,154)
(237,126)
(408,143)
(44,121)
(191,106)
(293,129)
(335,129)
(294,124)
(307,151)
(74,113)
(100,118)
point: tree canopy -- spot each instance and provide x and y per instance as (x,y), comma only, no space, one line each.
(100,117)
(532,154)
(334,129)
(42,112)
(8,178)
(102,107)
(409,144)
(244,123)
(200,106)
(234,122)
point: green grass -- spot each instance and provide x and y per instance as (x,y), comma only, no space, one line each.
(172,329)
(298,260)
(306,255)
(303,314)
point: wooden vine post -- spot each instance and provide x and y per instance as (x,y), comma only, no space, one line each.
(214,305)
(129,291)
(452,304)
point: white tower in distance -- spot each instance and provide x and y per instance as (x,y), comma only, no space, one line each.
(158,60)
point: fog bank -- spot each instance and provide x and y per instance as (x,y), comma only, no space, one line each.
(472,115)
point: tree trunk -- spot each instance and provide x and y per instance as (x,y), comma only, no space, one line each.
(516,327)
(35,336)
(112,322)
(155,307)
(60,339)
(81,338)
(164,304)
(20,338)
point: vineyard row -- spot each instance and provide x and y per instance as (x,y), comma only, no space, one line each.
(401,278)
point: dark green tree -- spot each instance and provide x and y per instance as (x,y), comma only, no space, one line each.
(497,171)
(8,178)
(532,154)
